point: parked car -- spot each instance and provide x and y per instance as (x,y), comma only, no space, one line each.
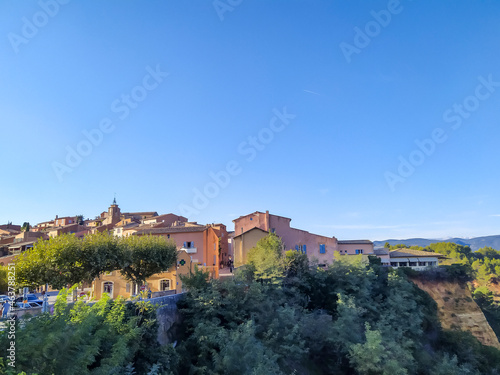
(29,305)
(31,298)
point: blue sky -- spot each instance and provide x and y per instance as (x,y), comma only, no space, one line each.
(180,87)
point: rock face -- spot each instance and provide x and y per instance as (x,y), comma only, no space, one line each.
(457,310)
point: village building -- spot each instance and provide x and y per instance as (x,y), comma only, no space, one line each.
(161,284)
(252,227)
(415,259)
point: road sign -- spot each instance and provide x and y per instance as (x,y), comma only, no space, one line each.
(143,287)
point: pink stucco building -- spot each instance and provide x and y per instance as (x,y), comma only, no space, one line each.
(249,228)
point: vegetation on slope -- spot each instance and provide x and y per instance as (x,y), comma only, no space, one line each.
(279,315)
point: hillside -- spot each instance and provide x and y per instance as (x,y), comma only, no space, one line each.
(474,243)
(457,310)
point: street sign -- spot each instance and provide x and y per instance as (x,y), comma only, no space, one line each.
(143,287)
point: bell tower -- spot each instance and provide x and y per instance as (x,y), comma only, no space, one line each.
(113,213)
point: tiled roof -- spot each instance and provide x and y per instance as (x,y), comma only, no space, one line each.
(261,213)
(346,242)
(167,230)
(19,244)
(409,253)
(381,252)
(241,234)
(151,213)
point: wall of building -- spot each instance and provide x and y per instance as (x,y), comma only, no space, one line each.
(120,287)
(242,245)
(291,237)
(254,220)
(350,249)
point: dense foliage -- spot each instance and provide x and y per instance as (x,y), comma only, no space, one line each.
(110,337)
(278,315)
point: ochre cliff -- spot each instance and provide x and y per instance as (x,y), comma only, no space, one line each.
(457,309)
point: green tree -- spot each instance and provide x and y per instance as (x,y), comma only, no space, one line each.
(4,282)
(144,256)
(196,280)
(266,259)
(379,356)
(25,227)
(105,338)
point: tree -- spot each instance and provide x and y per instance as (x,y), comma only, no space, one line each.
(144,256)
(25,227)
(4,282)
(109,337)
(54,262)
(266,259)
(79,219)
(387,245)
(196,280)
(66,259)
(379,356)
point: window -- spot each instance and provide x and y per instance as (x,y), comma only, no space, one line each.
(241,229)
(107,287)
(251,218)
(422,264)
(394,264)
(322,249)
(164,285)
(304,249)
(127,288)
(168,235)
(403,264)
(359,251)
(188,244)
(413,264)
(273,230)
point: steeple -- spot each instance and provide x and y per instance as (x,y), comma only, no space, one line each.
(114,200)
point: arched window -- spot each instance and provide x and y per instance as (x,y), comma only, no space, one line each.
(107,287)
(164,285)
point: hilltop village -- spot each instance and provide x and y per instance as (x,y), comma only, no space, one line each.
(211,247)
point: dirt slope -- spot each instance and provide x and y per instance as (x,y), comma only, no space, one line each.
(457,310)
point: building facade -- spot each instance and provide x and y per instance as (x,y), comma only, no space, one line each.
(317,247)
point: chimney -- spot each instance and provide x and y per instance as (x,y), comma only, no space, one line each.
(266,221)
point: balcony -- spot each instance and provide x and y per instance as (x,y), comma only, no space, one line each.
(189,250)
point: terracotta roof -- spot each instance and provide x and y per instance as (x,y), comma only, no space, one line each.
(167,230)
(263,213)
(346,242)
(241,234)
(20,244)
(409,253)
(10,230)
(163,216)
(151,213)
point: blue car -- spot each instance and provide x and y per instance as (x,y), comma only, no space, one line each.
(31,298)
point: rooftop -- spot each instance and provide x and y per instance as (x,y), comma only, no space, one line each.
(409,253)
(354,242)
(168,230)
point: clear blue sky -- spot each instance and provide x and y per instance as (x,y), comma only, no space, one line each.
(228,72)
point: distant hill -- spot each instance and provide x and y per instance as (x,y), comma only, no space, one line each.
(474,243)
